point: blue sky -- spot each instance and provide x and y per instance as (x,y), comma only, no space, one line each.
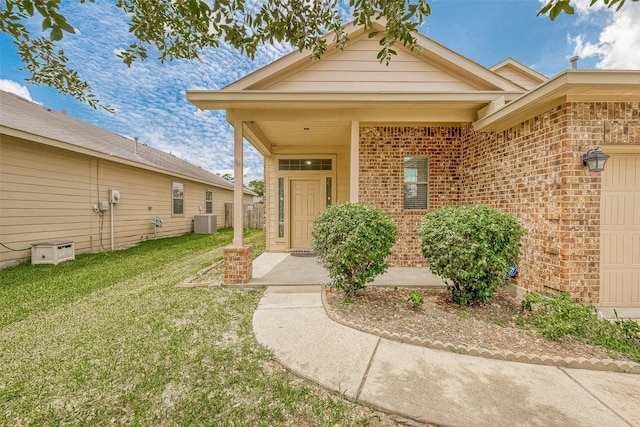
(150,101)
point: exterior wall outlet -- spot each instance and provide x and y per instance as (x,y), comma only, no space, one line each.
(114,196)
(103,205)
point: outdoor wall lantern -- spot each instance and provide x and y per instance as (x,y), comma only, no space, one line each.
(595,160)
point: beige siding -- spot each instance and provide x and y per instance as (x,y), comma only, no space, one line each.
(357,69)
(44,196)
(48,194)
(518,78)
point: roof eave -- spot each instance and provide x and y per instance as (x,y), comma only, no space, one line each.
(17,133)
(222,100)
(569,85)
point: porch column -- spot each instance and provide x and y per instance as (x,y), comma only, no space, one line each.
(238,266)
(238,190)
(354,173)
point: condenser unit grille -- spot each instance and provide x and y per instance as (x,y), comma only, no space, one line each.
(205,224)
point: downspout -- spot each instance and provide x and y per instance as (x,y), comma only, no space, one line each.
(111,210)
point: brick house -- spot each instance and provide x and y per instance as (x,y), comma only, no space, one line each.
(433,129)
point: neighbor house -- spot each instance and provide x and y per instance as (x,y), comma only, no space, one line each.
(64,180)
(435,129)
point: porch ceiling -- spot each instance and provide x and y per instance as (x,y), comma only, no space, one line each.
(306,132)
(270,126)
(276,118)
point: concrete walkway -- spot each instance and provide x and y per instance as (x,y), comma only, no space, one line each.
(434,386)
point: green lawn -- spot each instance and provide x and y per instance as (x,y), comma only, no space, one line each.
(108,339)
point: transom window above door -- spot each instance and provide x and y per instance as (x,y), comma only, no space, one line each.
(305,164)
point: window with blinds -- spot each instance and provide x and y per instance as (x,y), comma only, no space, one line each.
(208,201)
(416,183)
(178,198)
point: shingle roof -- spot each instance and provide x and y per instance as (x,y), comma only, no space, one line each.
(26,116)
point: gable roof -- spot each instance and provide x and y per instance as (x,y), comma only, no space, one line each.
(25,119)
(300,101)
(519,74)
(355,76)
(433,59)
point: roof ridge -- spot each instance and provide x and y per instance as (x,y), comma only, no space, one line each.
(31,117)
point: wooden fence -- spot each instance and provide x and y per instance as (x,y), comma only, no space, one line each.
(253,215)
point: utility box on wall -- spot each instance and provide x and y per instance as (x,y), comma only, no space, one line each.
(52,253)
(205,224)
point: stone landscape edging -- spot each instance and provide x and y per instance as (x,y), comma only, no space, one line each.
(561,362)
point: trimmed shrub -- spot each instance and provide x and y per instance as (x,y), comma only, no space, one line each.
(471,248)
(352,242)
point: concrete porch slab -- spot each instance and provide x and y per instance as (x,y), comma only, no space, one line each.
(285,269)
(623,313)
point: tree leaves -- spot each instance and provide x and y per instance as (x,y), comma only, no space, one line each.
(181,29)
(47,65)
(556,7)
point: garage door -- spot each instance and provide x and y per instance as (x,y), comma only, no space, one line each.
(620,232)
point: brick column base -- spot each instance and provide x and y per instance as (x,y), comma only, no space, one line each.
(238,265)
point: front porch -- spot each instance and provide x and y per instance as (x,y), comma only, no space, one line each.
(291,269)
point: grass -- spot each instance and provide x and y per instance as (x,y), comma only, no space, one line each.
(108,339)
(556,316)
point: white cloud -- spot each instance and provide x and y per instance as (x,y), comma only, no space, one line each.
(618,41)
(149,97)
(583,7)
(15,88)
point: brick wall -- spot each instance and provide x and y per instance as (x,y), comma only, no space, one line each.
(382,153)
(238,264)
(519,171)
(532,170)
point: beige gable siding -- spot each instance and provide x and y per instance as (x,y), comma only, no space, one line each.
(517,77)
(48,194)
(357,69)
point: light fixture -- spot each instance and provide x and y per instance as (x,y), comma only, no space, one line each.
(595,160)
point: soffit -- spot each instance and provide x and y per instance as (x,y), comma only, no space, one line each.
(313,100)
(309,133)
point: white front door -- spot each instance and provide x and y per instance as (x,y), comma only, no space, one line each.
(306,197)
(620,232)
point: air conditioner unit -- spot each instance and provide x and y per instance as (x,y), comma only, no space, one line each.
(205,224)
